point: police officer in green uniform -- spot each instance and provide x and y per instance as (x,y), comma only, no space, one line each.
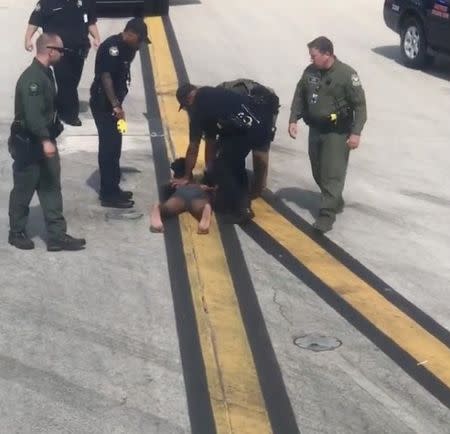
(32,145)
(330,99)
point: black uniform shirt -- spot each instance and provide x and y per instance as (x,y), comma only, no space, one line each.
(69,19)
(113,56)
(224,112)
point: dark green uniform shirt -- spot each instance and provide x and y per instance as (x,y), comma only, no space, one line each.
(34,104)
(321,93)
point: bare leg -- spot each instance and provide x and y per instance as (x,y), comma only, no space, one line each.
(205,221)
(202,211)
(172,207)
(156,224)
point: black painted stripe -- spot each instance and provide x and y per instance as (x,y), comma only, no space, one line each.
(277,401)
(198,398)
(408,308)
(430,382)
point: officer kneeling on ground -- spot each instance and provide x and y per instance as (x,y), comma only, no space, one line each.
(108,91)
(232,125)
(330,99)
(267,100)
(33,147)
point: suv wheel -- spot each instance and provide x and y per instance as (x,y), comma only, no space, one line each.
(413,44)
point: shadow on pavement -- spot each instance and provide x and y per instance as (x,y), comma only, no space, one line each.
(94,181)
(304,199)
(440,67)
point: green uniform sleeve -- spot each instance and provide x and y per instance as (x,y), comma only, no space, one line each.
(35,108)
(298,104)
(357,100)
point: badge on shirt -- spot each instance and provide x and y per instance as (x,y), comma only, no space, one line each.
(314,80)
(355,80)
(314,98)
(80,3)
(33,89)
(113,51)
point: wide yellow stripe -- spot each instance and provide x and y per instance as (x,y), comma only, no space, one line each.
(235,392)
(404,331)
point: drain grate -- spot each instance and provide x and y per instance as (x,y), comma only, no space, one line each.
(317,343)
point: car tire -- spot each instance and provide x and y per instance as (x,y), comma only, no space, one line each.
(156,7)
(413,44)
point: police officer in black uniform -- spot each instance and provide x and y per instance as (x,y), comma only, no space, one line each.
(73,21)
(108,91)
(232,125)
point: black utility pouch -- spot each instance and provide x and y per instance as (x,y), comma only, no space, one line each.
(23,148)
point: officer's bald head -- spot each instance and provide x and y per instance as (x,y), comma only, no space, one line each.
(47,40)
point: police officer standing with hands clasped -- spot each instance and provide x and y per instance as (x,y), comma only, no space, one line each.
(108,91)
(73,21)
(330,99)
(33,147)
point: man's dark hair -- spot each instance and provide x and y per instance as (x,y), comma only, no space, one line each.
(322,44)
(178,167)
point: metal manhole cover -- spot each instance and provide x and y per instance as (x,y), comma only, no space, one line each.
(317,343)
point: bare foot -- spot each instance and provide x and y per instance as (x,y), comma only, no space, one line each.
(157,229)
(205,221)
(156,224)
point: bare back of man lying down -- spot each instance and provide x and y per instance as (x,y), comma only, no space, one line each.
(192,197)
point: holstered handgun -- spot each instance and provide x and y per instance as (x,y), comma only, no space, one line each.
(24,148)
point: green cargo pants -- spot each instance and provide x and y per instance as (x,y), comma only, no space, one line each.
(44,177)
(328,154)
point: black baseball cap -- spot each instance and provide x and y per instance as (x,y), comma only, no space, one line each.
(137,26)
(182,93)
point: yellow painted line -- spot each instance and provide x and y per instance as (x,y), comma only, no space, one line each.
(391,321)
(236,397)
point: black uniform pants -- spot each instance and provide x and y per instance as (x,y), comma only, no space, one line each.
(231,175)
(43,177)
(109,151)
(68,74)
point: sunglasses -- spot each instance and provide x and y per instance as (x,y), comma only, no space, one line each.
(61,50)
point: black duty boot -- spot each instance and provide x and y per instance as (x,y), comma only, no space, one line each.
(20,240)
(324,223)
(125,194)
(239,218)
(75,122)
(66,243)
(116,202)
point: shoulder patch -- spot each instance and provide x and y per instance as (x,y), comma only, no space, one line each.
(33,89)
(80,3)
(38,7)
(355,80)
(113,51)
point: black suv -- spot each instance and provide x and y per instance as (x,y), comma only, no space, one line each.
(423,26)
(134,7)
